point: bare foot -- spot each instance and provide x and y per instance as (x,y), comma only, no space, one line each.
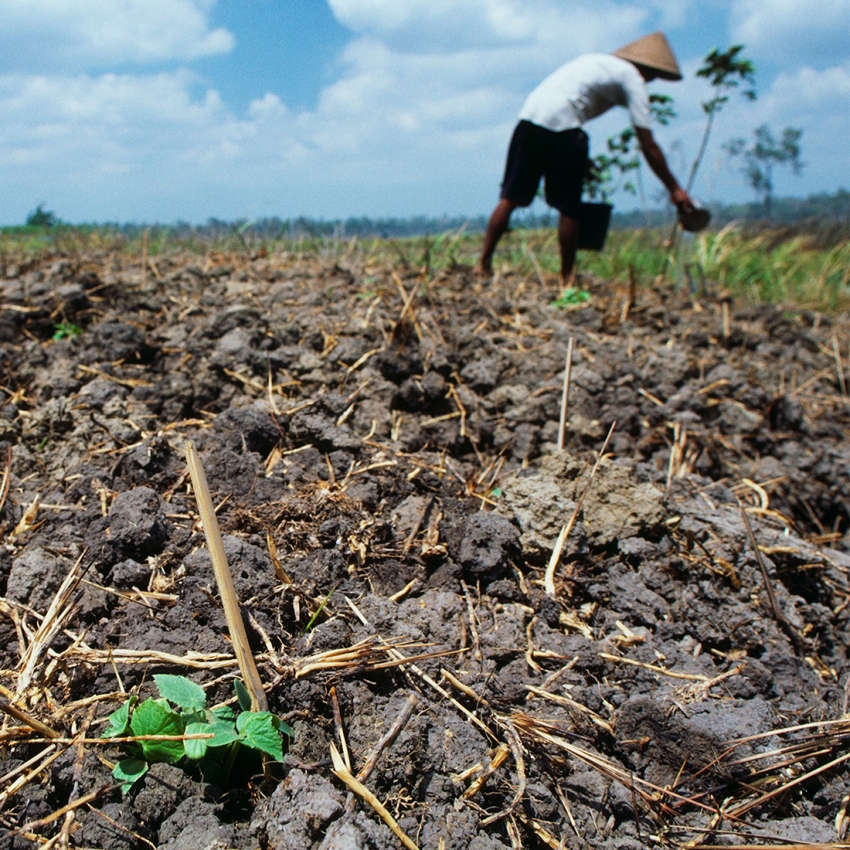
(568,279)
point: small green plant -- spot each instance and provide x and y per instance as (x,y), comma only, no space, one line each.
(66,330)
(572,296)
(312,621)
(179,727)
(608,172)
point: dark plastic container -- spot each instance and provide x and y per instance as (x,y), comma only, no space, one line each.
(593,221)
(696,220)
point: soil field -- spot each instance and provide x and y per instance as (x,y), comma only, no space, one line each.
(636,638)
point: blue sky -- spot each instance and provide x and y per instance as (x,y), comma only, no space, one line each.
(164,110)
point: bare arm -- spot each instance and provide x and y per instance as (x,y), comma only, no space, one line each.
(657,162)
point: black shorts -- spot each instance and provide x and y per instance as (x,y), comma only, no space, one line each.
(560,158)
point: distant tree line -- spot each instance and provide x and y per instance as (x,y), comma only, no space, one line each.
(359,226)
(830,210)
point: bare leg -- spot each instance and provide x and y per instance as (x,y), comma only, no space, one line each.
(568,242)
(496,228)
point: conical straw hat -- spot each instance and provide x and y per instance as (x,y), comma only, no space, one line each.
(652,51)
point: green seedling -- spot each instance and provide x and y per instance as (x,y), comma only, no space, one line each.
(570,297)
(312,621)
(66,330)
(179,728)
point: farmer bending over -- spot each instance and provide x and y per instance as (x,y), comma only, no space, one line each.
(549,141)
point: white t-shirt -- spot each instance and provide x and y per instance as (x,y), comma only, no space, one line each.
(585,88)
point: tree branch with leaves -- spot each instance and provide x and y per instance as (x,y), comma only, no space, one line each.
(763,155)
(610,171)
(727,72)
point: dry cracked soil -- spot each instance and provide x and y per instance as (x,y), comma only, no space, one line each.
(382,448)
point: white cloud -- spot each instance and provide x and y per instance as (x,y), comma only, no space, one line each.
(46,35)
(673,13)
(788,31)
(81,136)
(378,82)
(823,90)
(446,26)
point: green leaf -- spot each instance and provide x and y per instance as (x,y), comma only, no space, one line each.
(242,695)
(152,717)
(65,330)
(197,747)
(128,772)
(119,720)
(181,691)
(195,716)
(571,296)
(225,713)
(260,731)
(225,733)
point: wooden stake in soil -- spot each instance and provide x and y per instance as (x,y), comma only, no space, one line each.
(565,397)
(7,477)
(224,580)
(630,297)
(549,578)
(724,313)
